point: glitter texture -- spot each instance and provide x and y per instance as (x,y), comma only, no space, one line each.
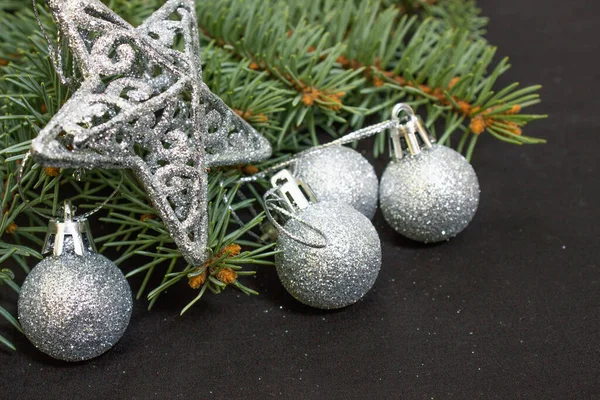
(339,274)
(75,307)
(142,105)
(341,174)
(431,196)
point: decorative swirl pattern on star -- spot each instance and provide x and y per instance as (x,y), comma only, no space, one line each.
(142,105)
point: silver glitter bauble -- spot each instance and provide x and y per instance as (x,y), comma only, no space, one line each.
(431,196)
(340,273)
(341,174)
(75,307)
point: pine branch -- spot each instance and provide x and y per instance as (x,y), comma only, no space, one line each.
(292,69)
(365,58)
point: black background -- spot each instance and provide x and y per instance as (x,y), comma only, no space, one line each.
(509,309)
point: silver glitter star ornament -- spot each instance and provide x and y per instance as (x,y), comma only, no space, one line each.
(142,105)
(75,304)
(427,194)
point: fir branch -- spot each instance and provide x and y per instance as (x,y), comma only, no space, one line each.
(390,57)
(292,69)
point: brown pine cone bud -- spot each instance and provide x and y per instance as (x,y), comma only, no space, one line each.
(11,228)
(52,171)
(227,276)
(233,250)
(249,170)
(477,125)
(197,281)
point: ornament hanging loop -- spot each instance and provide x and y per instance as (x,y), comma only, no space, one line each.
(19,179)
(407,127)
(53,51)
(295,196)
(77,230)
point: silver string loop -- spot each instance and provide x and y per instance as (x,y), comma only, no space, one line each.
(53,51)
(272,200)
(349,138)
(235,215)
(19,179)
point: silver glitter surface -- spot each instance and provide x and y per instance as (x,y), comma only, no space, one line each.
(75,307)
(142,105)
(340,174)
(431,196)
(339,274)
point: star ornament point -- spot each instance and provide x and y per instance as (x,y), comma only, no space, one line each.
(142,106)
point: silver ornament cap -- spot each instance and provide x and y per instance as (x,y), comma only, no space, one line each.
(430,196)
(340,174)
(75,304)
